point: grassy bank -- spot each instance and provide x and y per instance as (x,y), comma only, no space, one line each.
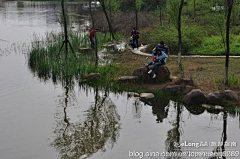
(196,40)
(46,63)
(203,29)
(207,73)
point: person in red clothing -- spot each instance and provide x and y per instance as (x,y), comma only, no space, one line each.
(91,37)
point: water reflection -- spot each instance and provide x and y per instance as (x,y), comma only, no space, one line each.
(195,109)
(173,135)
(137,109)
(221,144)
(98,130)
(160,108)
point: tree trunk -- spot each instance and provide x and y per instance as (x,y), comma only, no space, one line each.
(65,29)
(194,10)
(109,23)
(160,10)
(180,34)
(95,35)
(229,11)
(224,134)
(136,15)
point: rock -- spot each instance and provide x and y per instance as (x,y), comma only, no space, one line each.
(85,50)
(195,109)
(222,97)
(147,95)
(142,73)
(174,89)
(129,79)
(93,77)
(195,97)
(179,89)
(136,95)
(184,81)
(187,89)
(216,107)
(213,109)
(162,75)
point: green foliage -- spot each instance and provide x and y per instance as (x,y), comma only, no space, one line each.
(233,81)
(138,4)
(213,46)
(203,35)
(46,62)
(114,5)
(192,37)
(172,9)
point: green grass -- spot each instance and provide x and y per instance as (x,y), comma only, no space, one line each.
(233,81)
(46,62)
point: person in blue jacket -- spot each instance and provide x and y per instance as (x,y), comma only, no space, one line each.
(161,60)
(163,47)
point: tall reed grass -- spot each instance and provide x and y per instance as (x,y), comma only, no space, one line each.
(47,62)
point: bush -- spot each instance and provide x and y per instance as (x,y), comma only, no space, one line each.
(214,46)
(191,37)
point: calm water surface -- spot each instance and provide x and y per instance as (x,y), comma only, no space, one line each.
(41,120)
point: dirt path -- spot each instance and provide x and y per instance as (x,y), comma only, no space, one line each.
(139,52)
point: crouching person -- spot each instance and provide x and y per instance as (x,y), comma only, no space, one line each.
(132,44)
(161,59)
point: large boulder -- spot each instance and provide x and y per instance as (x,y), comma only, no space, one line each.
(142,73)
(163,74)
(222,97)
(179,89)
(195,97)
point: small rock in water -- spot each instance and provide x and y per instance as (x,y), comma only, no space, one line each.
(218,107)
(136,95)
(147,95)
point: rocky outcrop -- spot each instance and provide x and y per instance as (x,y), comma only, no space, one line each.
(162,75)
(179,89)
(195,97)
(222,97)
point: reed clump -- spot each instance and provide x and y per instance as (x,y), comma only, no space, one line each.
(47,62)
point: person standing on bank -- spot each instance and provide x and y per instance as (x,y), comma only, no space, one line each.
(135,36)
(91,37)
(161,60)
(163,47)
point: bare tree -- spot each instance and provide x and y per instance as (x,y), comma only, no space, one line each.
(66,41)
(109,23)
(95,35)
(229,11)
(138,5)
(161,12)
(194,9)
(180,34)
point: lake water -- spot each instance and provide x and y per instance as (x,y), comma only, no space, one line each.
(41,120)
